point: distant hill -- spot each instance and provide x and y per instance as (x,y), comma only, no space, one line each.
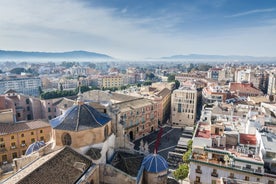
(52,55)
(215,57)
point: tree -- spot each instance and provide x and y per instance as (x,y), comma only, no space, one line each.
(147,83)
(171,78)
(186,156)
(17,70)
(150,76)
(181,172)
(177,84)
(92,65)
(189,145)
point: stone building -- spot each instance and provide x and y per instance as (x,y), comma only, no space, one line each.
(16,137)
(183,107)
(24,107)
(84,150)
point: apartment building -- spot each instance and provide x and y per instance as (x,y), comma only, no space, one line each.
(214,93)
(23,107)
(232,144)
(21,84)
(183,107)
(110,81)
(16,137)
(271,84)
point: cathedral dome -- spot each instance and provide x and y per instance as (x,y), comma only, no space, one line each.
(34,147)
(155,163)
(80,117)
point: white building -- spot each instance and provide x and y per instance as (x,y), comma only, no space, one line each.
(25,85)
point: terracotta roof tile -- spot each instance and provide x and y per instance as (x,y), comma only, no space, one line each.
(19,127)
(248,139)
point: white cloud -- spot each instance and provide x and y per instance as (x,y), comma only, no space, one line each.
(251,12)
(62,25)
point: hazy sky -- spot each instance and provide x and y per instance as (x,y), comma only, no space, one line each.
(131,29)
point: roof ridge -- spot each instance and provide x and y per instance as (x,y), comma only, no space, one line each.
(92,114)
(78,119)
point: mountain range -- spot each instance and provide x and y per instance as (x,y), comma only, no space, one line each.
(52,55)
(215,57)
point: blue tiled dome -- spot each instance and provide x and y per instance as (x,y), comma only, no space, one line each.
(155,163)
(34,147)
(80,117)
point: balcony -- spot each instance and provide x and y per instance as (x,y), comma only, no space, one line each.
(214,174)
(198,171)
(23,145)
(202,159)
(13,147)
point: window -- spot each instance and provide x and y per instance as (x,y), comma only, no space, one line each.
(231,175)
(27,101)
(12,137)
(23,152)
(41,131)
(198,169)
(2,145)
(14,155)
(1,139)
(18,115)
(66,139)
(23,143)
(106,131)
(22,135)
(33,140)
(258,180)
(197,179)
(41,138)
(32,133)
(28,108)
(246,178)
(4,158)
(49,117)
(179,107)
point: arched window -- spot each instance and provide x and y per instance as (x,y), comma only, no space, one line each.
(66,139)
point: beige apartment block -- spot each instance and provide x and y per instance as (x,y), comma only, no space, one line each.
(16,137)
(183,107)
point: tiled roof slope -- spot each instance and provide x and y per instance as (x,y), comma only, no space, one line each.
(80,117)
(60,167)
(19,127)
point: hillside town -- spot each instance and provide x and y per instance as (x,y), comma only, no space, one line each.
(137,122)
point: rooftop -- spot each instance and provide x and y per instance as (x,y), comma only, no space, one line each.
(20,127)
(127,162)
(244,88)
(62,166)
(80,117)
(248,139)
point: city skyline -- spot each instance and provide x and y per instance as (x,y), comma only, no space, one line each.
(140,29)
